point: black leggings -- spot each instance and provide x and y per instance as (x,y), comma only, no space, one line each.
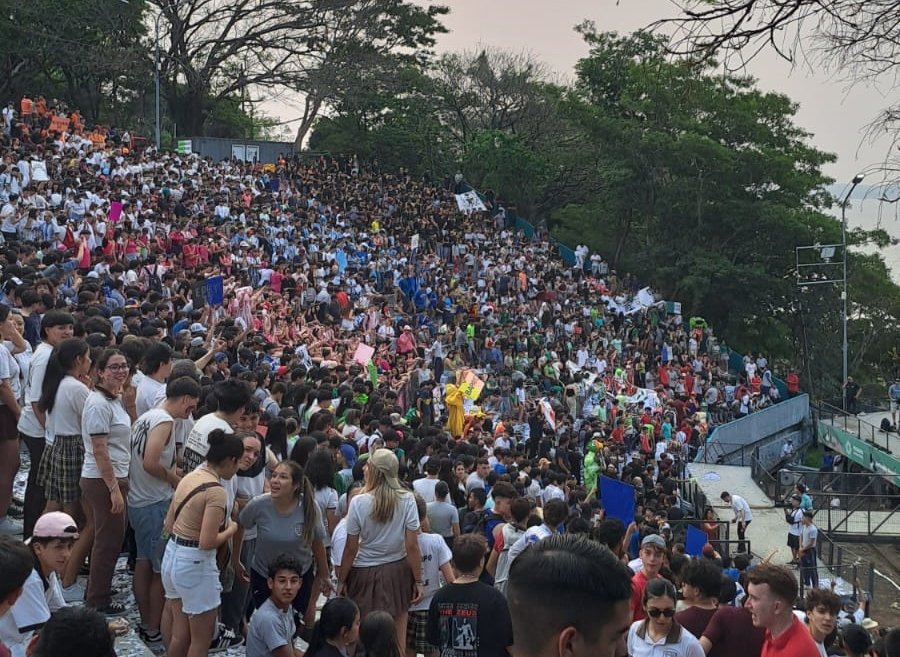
(34,493)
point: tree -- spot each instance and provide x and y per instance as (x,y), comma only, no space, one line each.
(88,52)
(216,49)
(860,38)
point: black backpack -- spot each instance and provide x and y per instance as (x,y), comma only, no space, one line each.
(886,425)
(154,282)
(474,522)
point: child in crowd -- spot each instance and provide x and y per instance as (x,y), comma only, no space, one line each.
(337,630)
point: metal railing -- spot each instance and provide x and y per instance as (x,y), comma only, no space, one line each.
(719,453)
(850,571)
(767,481)
(848,504)
(853,424)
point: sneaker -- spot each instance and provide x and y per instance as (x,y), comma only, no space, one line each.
(10,526)
(150,638)
(74,593)
(114,609)
(226,639)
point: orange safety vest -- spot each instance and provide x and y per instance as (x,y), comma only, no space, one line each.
(27,106)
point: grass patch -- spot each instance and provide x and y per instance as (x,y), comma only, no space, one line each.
(813,457)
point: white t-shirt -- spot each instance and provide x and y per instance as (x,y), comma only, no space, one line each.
(68,407)
(9,369)
(145,489)
(686,646)
(148,394)
(29,613)
(28,422)
(327,499)
(54,594)
(380,543)
(338,542)
(424,488)
(531,535)
(739,504)
(552,492)
(248,488)
(435,554)
(197,438)
(106,416)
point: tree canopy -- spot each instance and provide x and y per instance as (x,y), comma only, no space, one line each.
(858,40)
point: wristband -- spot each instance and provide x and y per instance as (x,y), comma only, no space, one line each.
(114,488)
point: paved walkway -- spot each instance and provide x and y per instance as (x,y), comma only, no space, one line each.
(767,532)
(868,427)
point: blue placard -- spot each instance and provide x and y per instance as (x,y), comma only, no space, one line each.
(694,541)
(618,499)
(215,291)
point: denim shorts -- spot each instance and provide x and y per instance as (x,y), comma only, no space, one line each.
(147,523)
(191,575)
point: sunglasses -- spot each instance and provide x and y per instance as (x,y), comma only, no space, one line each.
(653,612)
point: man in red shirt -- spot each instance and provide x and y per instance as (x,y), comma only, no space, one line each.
(793,384)
(653,554)
(770,598)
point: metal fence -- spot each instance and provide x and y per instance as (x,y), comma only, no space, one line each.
(850,573)
(853,424)
(767,481)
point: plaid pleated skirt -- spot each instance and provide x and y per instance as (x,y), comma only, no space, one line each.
(64,460)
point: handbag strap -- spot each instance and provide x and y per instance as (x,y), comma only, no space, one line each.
(199,489)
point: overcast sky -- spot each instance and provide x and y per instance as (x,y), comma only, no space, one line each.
(835,113)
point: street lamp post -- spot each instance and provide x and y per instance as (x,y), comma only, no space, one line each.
(858,178)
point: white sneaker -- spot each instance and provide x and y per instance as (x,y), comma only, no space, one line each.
(74,593)
(10,526)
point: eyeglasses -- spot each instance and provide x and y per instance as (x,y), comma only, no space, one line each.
(117,367)
(653,612)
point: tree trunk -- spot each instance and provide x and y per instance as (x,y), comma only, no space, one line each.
(311,108)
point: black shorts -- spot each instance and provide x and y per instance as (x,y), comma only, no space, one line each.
(793,542)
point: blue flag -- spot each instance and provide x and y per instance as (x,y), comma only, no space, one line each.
(618,499)
(694,541)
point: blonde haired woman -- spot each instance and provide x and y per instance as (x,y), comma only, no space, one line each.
(381,568)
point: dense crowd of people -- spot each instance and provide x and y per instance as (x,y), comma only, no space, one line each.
(277,382)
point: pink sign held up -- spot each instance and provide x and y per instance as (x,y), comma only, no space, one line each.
(115,211)
(363,354)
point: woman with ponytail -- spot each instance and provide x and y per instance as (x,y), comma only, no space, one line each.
(64,391)
(287,521)
(381,568)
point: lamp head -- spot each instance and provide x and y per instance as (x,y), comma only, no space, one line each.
(858,178)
